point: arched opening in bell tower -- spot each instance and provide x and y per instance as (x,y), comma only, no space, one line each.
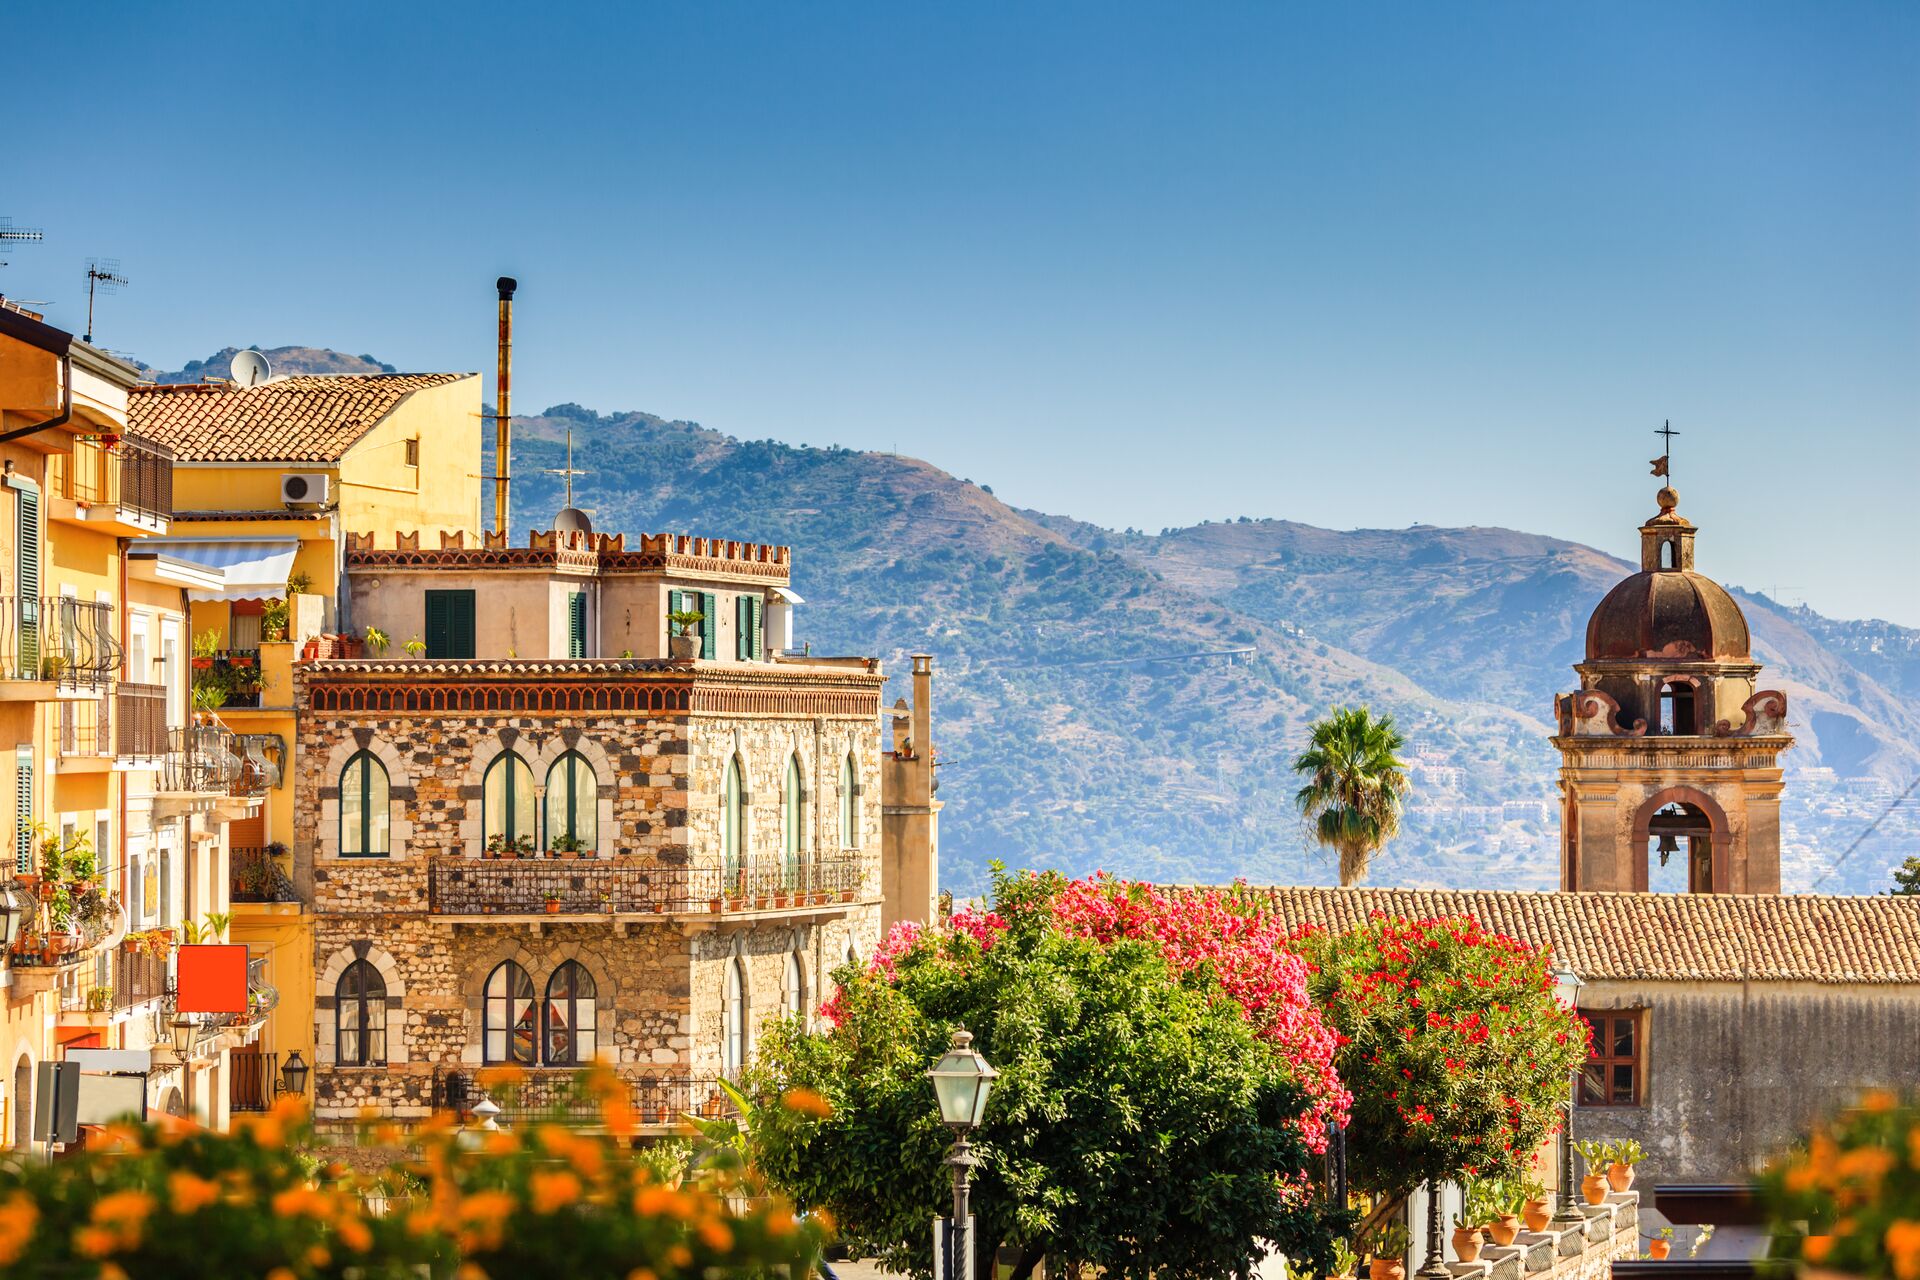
(1679,850)
(1677,717)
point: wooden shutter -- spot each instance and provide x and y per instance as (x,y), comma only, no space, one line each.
(450,631)
(23,811)
(708,623)
(743,627)
(759,633)
(27,581)
(577,625)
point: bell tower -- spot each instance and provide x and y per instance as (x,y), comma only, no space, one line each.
(1669,753)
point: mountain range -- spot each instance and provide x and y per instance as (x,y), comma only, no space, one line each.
(1131,701)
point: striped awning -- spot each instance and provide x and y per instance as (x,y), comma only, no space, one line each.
(250,568)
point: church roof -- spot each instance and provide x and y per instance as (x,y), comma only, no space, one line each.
(1668,613)
(1706,937)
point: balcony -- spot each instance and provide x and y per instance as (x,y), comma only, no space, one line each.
(139,975)
(125,489)
(63,925)
(56,646)
(255,875)
(86,734)
(140,721)
(235,672)
(474,888)
(557,1094)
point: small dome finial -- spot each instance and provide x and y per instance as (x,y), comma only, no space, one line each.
(1668,498)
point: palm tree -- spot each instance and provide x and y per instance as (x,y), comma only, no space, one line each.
(1355,780)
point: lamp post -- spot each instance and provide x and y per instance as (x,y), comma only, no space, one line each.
(961,1081)
(293,1074)
(1566,989)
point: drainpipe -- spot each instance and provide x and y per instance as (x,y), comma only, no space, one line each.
(66,404)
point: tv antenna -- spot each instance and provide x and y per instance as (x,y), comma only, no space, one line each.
(10,234)
(567,471)
(102,273)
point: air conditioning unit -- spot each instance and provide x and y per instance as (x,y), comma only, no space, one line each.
(301,488)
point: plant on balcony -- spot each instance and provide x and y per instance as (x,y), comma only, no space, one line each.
(212,690)
(567,846)
(552,898)
(53,666)
(99,999)
(217,922)
(206,646)
(684,641)
(415,647)
(499,845)
(298,584)
(273,620)
(377,641)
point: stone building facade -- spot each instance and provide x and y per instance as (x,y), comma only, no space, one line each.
(548,861)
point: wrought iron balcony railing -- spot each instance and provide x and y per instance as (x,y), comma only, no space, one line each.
(86,728)
(254,875)
(199,760)
(260,756)
(469,886)
(64,640)
(556,1093)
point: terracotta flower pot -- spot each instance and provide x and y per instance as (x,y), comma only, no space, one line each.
(1386,1269)
(713,905)
(683,648)
(1504,1228)
(1466,1244)
(1658,1249)
(1620,1176)
(553,908)
(1594,1188)
(1536,1215)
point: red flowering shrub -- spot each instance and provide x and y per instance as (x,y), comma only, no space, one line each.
(1457,1052)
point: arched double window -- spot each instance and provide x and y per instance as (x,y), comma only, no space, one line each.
(506,806)
(509,1022)
(733,822)
(849,807)
(360,1017)
(733,1032)
(573,804)
(365,813)
(571,1038)
(792,822)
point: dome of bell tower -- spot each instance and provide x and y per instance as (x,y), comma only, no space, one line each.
(1667,610)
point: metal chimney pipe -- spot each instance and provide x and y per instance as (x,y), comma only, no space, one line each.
(503,412)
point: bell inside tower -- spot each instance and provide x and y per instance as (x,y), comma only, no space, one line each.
(1680,850)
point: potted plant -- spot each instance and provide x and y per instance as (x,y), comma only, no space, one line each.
(683,642)
(1598,1155)
(1661,1244)
(553,902)
(53,666)
(415,647)
(298,584)
(606,903)
(565,846)
(273,620)
(1498,1210)
(205,646)
(376,641)
(1387,1251)
(523,847)
(1466,1238)
(217,922)
(498,846)
(99,999)
(1626,1154)
(1533,1204)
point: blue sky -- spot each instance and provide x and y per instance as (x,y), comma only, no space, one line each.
(1363,264)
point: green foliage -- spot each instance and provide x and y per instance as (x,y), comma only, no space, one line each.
(1138,1126)
(377,640)
(685,620)
(1906,878)
(1598,1155)
(1355,782)
(1848,1200)
(273,620)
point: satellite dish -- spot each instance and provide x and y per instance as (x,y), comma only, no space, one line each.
(249,368)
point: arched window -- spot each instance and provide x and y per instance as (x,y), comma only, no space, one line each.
(794,989)
(733,1033)
(1677,709)
(849,809)
(791,822)
(733,825)
(360,1017)
(506,806)
(509,1032)
(1666,554)
(573,804)
(571,1038)
(364,810)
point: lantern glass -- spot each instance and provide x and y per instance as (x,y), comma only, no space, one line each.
(183,1037)
(962,1080)
(293,1074)
(1566,986)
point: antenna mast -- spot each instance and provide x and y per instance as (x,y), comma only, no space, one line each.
(102,273)
(10,234)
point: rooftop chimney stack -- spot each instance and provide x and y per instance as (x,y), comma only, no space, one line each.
(503,410)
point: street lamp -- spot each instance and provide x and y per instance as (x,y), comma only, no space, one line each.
(293,1074)
(184,1033)
(1566,989)
(961,1081)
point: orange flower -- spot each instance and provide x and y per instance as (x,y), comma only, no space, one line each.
(113,1271)
(1913,1146)
(1865,1164)
(17,1218)
(1816,1248)
(552,1192)
(189,1193)
(483,1220)
(680,1256)
(95,1242)
(282,1273)
(1903,1245)
(780,1223)
(318,1257)
(641,1273)
(656,1202)
(507,1075)
(716,1235)
(297,1202)
(355,1234)
(501,1143)
(123,1209)
(1878,1101)
(469,1271)
(807,1102)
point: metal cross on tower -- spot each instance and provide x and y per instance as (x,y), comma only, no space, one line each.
(1663,465)
(567,471)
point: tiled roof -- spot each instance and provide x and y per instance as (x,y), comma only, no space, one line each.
(1714,937)
(306,418)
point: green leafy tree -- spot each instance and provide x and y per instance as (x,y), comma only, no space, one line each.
(1354,784)
(1906,878)
(1138,1126)
(1456,1051)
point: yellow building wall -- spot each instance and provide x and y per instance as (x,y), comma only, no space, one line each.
(284,932)
(379,491)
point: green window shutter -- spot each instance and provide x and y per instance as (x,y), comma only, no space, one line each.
(23,811)
(759,633)
(27,580)
(577,624)
(742,628)
(450,630)
(708,624)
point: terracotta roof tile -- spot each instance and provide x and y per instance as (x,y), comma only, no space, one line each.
(1707,937)
(306,418)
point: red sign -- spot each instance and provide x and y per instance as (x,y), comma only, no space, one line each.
(212,978)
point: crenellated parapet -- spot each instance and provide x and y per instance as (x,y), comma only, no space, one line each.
(579,551)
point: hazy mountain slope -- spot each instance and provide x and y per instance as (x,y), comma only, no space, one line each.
(279,360)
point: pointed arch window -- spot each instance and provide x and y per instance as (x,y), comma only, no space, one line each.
(849,806)
(360,1017)
(506,803)
(792,822)
(733,1034)
(571,1031)
(573,804)
(365,814)
(508,1020)
(794,989)
(733,836)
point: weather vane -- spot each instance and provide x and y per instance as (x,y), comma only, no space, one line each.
(1661,464)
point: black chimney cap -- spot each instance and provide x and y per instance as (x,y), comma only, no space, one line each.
(506,285)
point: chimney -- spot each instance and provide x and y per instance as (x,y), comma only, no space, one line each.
(503,412)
